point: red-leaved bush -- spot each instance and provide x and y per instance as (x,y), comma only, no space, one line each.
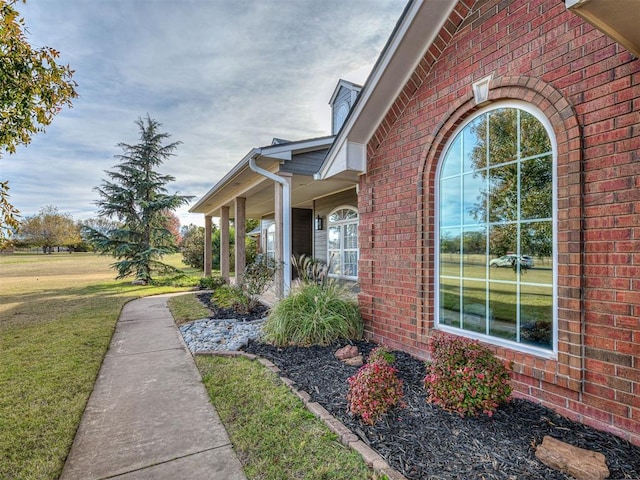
(375,388)
(381,353)
(465,377)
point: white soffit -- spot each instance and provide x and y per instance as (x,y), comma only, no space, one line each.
(618,19)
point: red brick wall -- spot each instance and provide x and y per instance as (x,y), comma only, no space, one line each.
(589,88)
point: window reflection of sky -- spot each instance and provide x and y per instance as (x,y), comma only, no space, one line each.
(451,165)
(450,204)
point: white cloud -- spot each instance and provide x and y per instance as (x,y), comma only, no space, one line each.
(221,76)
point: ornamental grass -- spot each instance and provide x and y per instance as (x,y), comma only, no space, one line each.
(314,315)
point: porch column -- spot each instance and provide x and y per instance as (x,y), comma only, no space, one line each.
(207,245)
(282,273)
(240,218)
(224,243)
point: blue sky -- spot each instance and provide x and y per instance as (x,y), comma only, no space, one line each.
(222,76)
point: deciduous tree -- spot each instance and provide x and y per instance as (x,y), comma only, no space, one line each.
(33,88)
(8,216)
(49,229)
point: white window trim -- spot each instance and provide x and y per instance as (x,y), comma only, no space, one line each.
(344,222)
(521,347)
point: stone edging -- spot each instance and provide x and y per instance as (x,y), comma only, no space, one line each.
(346,436)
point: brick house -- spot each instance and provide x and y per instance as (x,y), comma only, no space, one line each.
(492,132)
(490,167)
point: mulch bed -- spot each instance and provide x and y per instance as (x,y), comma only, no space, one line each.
(422,441)
(227,313)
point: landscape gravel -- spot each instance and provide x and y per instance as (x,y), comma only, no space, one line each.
(210,335)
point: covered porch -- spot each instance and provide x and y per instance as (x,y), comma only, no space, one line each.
(275,185)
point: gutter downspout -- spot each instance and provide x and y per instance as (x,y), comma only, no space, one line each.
(286,218)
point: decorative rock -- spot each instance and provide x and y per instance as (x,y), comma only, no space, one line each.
(354,361)
(348,351)
(219,335)
(579,463)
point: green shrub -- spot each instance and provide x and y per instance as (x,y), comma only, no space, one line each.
(465,377)
(257,278)
(375,389)
(192,246)
(211,283)
(245,297)
(314,315)
(229,296)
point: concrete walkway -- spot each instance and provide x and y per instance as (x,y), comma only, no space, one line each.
(149,416)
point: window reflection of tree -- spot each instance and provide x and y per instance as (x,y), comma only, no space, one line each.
(496,186)
(519,181)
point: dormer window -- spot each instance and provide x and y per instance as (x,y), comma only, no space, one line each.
(343,98)
(341,115)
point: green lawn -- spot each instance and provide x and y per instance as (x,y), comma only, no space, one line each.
(57,315)
(275,436)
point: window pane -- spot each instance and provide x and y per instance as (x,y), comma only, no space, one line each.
(474,151)
(536,188)
(503,306)
(452,162)
(271,244)
(334,238)
(342,242)
(343,214)
(474,305)
(503,250)
(450,202)
(474,197)
(335,263)
(474,247)
(350,214)
(536,247)
(351,235)
(450,251)
(536,315)
(533,136)
(449,302)
(503,193)
(503,137)
(350,267)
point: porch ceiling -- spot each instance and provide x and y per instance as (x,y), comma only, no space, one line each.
(260,193)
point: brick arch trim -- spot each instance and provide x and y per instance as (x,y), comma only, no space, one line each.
(567,369)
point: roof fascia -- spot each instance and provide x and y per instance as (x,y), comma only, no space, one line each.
(414,33)
(286,150)
(282,152)
(241,165)
(345,84)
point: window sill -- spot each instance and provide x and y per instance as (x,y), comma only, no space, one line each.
(518,347)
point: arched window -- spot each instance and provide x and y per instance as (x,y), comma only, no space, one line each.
(496,229)
(342,242)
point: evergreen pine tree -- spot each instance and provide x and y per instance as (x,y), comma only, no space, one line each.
(137,198)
